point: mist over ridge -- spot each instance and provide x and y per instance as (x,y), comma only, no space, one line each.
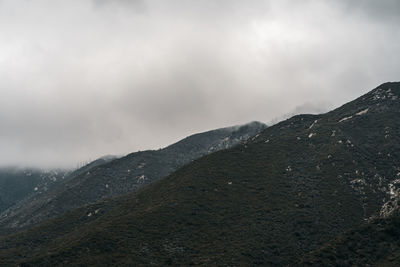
(82,79)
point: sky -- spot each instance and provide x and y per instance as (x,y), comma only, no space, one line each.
(84,78)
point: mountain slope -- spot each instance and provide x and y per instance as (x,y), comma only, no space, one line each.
(269,201)
(376,243)
(17,184)
(116,177)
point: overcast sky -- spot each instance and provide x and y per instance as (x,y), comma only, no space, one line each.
(84,78)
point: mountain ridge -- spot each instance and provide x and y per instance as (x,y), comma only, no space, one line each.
(113,177)
(271,200)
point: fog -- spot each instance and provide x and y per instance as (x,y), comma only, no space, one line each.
(84,78)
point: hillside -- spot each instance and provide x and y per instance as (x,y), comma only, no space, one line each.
(377,243)
(269,201)
(110,177)
(19,183)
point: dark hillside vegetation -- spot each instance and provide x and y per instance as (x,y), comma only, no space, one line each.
(376,243)
(269,201)
(19,183)
(110,177)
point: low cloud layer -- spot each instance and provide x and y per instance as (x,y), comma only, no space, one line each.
(84,78)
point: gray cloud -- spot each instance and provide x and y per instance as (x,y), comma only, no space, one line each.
(382,10)
(137,6)
(80,79)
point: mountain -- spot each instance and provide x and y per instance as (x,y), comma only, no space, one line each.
(376,243)
(271,200)
(19,183)
(111,177)
(87,167)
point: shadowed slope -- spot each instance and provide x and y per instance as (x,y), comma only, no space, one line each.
(376,243)
(268,201)
(19,183)
(127,174)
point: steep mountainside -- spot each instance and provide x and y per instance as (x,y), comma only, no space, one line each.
(17,184)
(102,179)
(269,201)
(87,167)
(376,243)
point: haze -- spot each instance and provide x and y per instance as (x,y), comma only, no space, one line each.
(84,78)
